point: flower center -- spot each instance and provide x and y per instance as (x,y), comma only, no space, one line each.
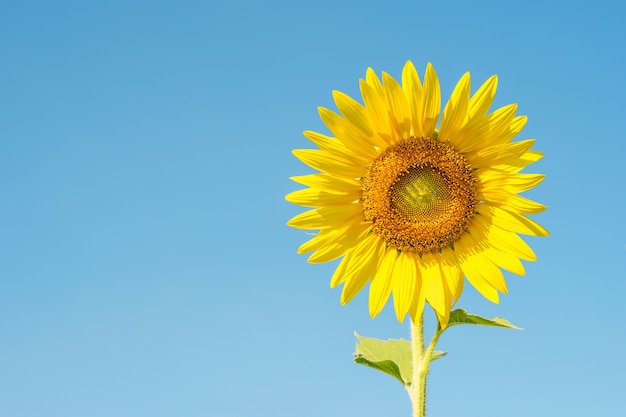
(420,195)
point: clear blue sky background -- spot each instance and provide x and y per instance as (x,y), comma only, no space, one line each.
(145,265)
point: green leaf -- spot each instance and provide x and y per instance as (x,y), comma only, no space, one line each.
(388,367)
(461,316)
(391,356)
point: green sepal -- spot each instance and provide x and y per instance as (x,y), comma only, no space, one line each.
(461,316)
(392,356)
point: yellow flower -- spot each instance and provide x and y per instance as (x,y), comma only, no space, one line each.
(412,208)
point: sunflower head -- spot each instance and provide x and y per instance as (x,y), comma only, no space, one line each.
(414,208)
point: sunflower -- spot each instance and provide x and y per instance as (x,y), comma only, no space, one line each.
(414,208)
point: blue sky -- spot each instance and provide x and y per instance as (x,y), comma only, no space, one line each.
(146,268)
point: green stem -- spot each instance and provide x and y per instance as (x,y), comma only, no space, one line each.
(417,390)
(421,363)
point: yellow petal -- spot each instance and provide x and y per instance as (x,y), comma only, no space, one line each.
(437,293)
(456,109)
(376,108)
(453,274)
(491,273)
(339,274)
(353,111)
(362,270)
(372,79)
(348,135)
(431,101)
(501,154)
(316,241)
(485,132)
(325,161)
(515,183)
(332,216)
(329,236)
(398,108)
(353,255)
(511,202)
(482,98)
(328,183)
(412,87)
(501,239)
(525,160)
(354,259)
(514,222)
(327,253)
(471,269)
(327,143)
(342,241)
(505,261)
(416,309)
(380,288)
(312,197)
(404,283)
(516,126)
